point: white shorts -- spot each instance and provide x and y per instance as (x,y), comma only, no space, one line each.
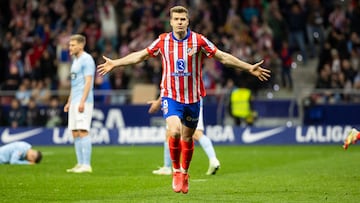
(80,121)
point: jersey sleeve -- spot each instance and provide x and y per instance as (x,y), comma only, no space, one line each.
(154,48)
(207,46)
(16,158)
(89,66)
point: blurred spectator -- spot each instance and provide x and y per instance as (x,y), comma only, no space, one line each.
(353,43)
(16,115)
(33,56)
(40,91)
(323,80)
(154,71)
(278,26)
(325,56)
(23,94)
(119,80)
(33,116)
(48,68)
(338,41)
(286,66)
(13,73)
(250,8)
(100,84)
(348,71)
(108,21)
(355,19)
(337,18)
(296,24)
(53,113)
(63,57)
(335,61)
(315,25)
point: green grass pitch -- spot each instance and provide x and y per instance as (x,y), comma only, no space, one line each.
(312,173)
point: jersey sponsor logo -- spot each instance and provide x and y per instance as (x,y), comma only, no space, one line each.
(180,69)
(73,76)
(251,137)
(180,65)
(181,74)
(7,137)
(190,119)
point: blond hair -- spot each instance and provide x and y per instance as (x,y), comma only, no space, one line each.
(81,39)
(179,9)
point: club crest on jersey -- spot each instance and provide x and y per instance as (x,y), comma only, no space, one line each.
(191,51)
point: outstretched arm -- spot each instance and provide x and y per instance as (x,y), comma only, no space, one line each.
(230,60)
(132,58)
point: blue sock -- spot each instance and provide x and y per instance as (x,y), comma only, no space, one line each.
(77,145)
(167,159)
(86,149)
(207,146)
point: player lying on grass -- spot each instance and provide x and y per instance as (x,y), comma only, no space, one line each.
(19,153)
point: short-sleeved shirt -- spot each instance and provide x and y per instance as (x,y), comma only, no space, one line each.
(182,62)
(81,67)
(14,153)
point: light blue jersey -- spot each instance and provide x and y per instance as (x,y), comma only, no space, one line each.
(81,67)
(14,153)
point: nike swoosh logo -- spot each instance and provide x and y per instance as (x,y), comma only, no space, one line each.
(7,137)
(249,137)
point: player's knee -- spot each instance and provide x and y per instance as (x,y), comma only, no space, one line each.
(174,133)
(197,135)
(83,133)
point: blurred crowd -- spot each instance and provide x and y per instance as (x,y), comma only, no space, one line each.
(35,59)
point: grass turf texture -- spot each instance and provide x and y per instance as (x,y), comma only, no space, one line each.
(247,174)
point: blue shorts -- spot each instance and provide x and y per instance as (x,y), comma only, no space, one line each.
(188,113)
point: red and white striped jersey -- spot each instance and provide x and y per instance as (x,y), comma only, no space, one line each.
(182,62)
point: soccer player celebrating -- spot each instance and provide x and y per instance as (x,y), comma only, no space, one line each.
(181,88)
(199,136)
(80,103)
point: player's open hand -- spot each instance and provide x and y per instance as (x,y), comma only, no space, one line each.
(106,67)
(154,106)
(66,107)
(259,72)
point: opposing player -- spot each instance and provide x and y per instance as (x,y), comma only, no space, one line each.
(351,138)
(182,52)
(19,153)
(199,136)
(80,103)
